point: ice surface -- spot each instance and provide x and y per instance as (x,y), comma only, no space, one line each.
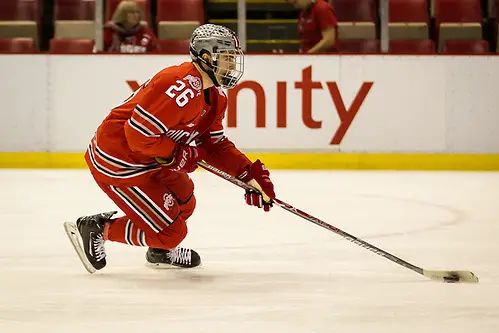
(262,272)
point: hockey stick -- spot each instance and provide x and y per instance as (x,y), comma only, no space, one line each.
(443,276)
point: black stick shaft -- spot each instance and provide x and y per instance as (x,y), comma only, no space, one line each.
(316,221)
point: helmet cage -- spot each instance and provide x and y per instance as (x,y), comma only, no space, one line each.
(228,67)
(222,45)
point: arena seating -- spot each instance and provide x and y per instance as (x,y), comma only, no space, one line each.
(412,46)
(359,46)
(174,46)
(19,18)
(466,47)
(409,19)
(17,45)
(415,26)
(356,19)
(74,19)
(71,45)
(177,19)
(457,20)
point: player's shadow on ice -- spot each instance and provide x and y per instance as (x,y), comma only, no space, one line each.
(241,283)
(177,279)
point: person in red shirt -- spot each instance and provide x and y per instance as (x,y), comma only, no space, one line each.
(317,26)
(142,152)
(125,34)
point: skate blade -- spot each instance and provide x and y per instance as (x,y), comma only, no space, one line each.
(74,237)
(168,266)
(161,266)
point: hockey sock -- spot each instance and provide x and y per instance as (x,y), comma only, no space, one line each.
(123,230)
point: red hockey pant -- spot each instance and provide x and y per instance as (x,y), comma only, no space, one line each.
(155,212)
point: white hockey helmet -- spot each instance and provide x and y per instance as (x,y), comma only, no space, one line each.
(227,58)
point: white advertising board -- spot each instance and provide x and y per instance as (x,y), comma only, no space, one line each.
(86,88)
(25,111)
(283,103)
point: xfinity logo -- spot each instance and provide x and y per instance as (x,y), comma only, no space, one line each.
(307,88)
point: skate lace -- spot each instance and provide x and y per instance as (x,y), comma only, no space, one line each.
(180,255)
(99,250)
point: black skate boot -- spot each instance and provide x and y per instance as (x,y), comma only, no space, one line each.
(180,257)
(90,243)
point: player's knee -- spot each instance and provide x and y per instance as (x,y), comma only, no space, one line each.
(172,236)
(187,208)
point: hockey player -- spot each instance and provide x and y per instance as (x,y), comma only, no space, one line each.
(142,152)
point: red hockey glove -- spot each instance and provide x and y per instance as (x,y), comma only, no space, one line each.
(258,176)
(183,160)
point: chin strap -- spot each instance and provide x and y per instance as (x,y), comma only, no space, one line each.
(200,61)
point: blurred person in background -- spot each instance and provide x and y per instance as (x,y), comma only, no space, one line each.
(125,34)
(317,26)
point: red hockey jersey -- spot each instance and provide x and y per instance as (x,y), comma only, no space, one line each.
(168,110)
(139,40)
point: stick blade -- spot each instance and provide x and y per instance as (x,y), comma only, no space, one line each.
(451,276)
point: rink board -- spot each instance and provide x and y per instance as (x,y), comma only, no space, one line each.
(292,111)
(334,161)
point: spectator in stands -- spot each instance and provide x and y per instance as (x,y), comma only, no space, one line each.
(125,33)
(317,26)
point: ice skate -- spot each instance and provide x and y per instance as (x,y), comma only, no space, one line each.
(86,235)
(180,257)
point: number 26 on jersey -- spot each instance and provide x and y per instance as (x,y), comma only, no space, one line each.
(180,93)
